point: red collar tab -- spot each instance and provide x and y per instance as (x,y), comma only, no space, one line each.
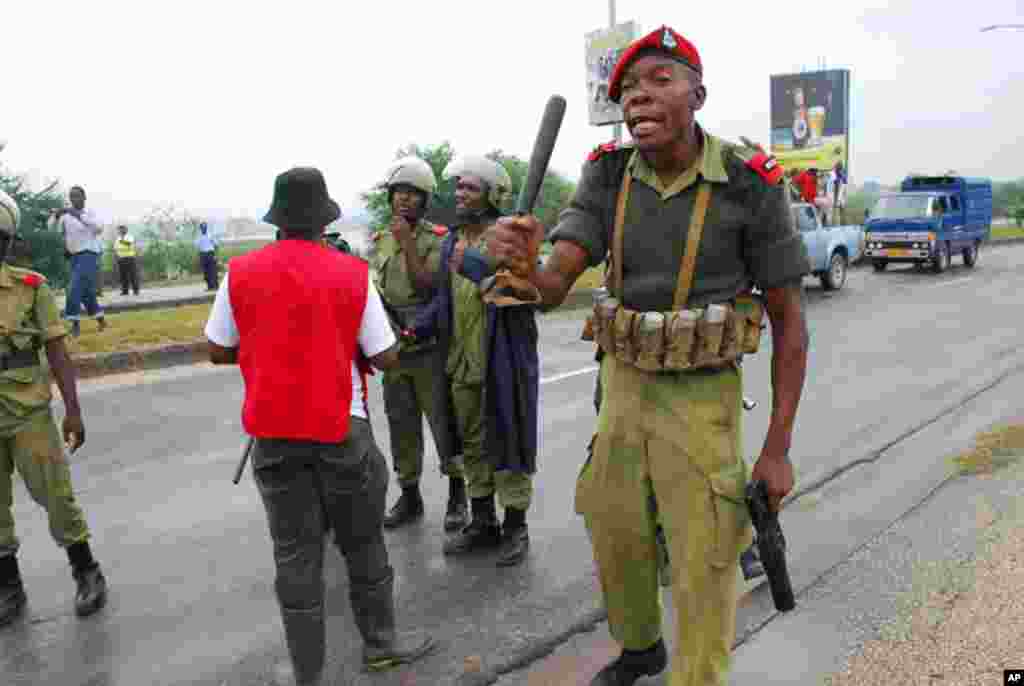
(600,150)
(440,230)
(664,39)
(767,167)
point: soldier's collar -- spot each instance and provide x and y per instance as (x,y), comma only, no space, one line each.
(709,165)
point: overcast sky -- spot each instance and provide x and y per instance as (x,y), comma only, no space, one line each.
(202,103)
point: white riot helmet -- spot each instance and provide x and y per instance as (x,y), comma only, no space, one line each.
(498,180)
(9,214)
(414,172)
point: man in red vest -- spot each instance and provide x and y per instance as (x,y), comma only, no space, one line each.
(304,322)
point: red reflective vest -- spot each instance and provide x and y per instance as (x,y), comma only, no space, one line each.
(298,306)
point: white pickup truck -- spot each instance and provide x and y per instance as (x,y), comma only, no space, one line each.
(832,249)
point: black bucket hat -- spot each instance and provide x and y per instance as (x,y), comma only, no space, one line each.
(301,201)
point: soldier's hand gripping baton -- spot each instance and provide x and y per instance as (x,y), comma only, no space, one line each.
(506,287)
(771,545)
(245,458)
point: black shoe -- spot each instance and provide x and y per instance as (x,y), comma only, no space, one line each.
(457,516)
(402,650)
(124,292)
(92,591)
(514,545)
(481,534)
(408,508)
(630,666)
(12,602)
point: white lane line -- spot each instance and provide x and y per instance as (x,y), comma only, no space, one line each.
(951,282)
(568,375)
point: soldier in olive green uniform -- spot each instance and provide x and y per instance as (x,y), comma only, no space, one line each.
(691,223)
(480,187)
(29,440)
(407,262)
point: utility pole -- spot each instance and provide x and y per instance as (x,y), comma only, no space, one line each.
(617,127)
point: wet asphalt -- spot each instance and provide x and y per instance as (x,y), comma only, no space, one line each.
(187,553)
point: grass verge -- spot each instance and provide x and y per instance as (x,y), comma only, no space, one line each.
(999,232)
(141,328)
(992,450)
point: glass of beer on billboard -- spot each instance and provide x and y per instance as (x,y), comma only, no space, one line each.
(816,120)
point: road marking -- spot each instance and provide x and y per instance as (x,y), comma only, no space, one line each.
(962,279)
(568,375)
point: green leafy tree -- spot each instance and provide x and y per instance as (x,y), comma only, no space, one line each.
(42,248)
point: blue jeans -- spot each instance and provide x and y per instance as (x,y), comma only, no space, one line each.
(85,267)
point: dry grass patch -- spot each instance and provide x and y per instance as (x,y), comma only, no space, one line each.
(129,330)
(1007,232)
(992,450)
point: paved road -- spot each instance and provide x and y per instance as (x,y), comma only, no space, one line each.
(188,557)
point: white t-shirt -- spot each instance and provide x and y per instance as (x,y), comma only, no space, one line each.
(375,334)
(82,235)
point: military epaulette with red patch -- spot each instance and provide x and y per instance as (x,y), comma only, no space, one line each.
(767,167)
(439,230)
(600,150)
(377,236)
(34,280)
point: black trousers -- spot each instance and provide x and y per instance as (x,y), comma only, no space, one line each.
(208,261)
(302,483)
(128,269)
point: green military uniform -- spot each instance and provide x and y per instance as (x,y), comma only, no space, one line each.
(416,387)
(669,445)
(465,368)
(29,439)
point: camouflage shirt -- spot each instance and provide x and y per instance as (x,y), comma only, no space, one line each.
(27,305)
(469,323)
(748,232)
(393,280)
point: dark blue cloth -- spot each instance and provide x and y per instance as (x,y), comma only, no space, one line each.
(512,366)
(85,267)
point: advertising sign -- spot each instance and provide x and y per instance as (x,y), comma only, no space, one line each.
(602,51)
(810,115)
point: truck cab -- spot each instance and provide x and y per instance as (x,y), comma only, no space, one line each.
(928,221)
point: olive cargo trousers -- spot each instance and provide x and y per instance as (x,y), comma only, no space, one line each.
(36,451)
(514,489)
(414,389)
(668,448)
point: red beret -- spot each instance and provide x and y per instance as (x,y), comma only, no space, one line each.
(664,39)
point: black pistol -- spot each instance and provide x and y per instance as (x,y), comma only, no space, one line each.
(771,545)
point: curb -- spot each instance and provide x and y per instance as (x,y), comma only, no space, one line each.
(150,357)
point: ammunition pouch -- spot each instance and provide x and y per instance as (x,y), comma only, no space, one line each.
(403,318)
(683,340)
(20,359)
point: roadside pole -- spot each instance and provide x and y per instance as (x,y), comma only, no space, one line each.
(617,127)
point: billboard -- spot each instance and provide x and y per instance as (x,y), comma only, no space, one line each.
(602,52)
(810,115)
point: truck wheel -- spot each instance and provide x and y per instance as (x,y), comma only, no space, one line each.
(879,265)
(835,277)
(941,260)
(971,255)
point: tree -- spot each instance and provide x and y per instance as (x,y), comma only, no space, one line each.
(42,248)
(555,193)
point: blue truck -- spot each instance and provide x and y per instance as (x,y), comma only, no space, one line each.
(832,249)
(931,219)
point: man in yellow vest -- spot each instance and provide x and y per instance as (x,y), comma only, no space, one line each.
(127,267)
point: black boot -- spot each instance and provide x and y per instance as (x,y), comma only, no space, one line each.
(457,516)
(483,532)
(12,593)
(631,665)
(92,587)
(373,607)
(515,538)
(408,508)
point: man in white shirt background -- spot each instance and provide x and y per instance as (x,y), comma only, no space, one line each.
(303,321)
(207,246)
(81,231)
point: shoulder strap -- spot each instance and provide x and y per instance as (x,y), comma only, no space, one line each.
(700,210)
(618,235)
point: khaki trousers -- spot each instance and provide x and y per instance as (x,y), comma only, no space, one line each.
(668,449)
